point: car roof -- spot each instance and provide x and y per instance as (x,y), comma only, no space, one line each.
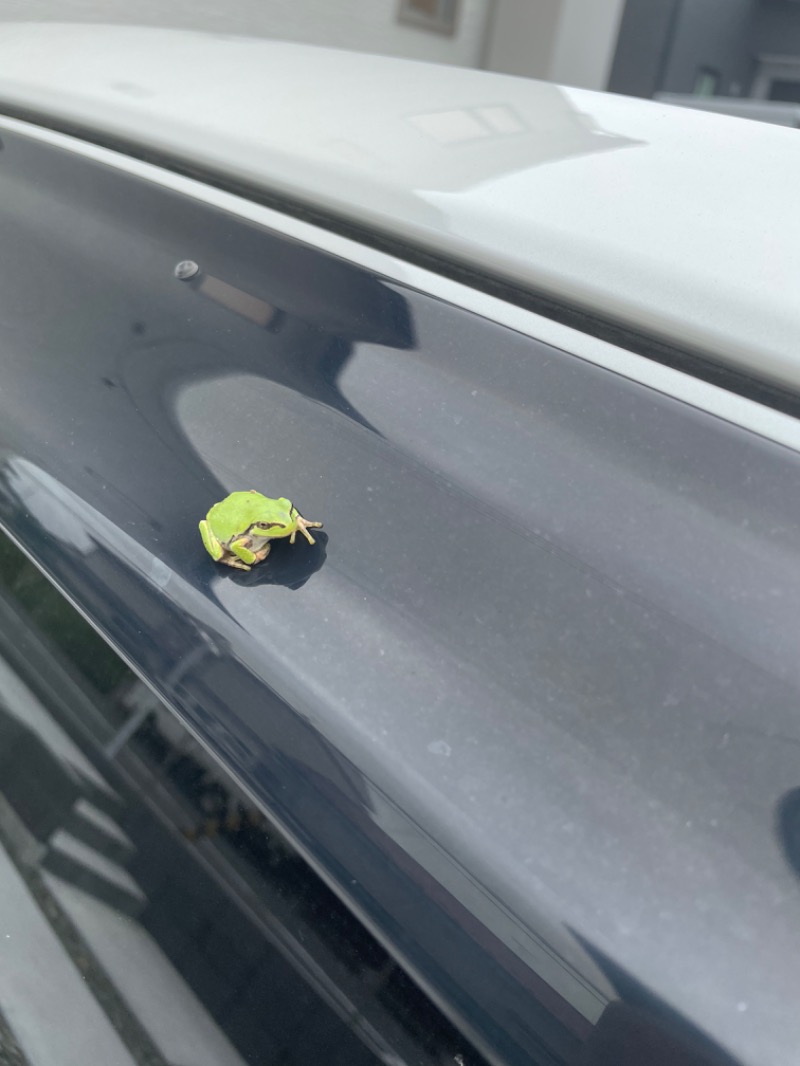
(679,224)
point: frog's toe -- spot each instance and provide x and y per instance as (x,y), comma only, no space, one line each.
(237,564)
(304,525)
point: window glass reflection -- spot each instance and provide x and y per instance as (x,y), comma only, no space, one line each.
(155,901)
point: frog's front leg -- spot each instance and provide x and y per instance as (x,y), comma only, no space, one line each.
(303,526)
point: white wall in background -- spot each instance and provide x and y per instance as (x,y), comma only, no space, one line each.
(567,41)
(521,36)
(360,25)
(586,42)
(372,26)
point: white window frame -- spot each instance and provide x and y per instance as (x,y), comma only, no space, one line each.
(774,68)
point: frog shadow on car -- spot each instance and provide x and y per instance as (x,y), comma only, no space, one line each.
(290,565)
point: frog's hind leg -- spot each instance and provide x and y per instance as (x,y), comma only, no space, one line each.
(262,553)
(210,542)
(242,548)
(217,551)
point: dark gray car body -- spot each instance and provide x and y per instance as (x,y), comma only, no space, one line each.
(529,705)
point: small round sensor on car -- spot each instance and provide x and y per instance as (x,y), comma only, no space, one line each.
(187,268)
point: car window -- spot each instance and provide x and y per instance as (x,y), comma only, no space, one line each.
(186,928)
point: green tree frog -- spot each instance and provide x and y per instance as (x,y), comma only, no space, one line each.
(238,530)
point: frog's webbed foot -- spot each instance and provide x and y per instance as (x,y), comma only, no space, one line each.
(303,526)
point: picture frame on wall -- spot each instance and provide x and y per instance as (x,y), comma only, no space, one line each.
(439,16)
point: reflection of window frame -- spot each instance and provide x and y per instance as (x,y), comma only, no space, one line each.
(489,120)
(441,16)
(772,68)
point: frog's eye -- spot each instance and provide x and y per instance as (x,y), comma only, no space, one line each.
(270,525)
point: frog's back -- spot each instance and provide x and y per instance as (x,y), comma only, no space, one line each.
(236,513)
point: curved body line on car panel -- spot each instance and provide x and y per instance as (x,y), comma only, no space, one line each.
(637,212)
(529,703)
(716,400)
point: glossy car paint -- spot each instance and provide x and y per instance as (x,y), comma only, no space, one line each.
(530,704)
(674,223)
(779,114)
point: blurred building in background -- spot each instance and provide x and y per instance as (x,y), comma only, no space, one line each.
(732,48)
(700,48)
(745,48)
